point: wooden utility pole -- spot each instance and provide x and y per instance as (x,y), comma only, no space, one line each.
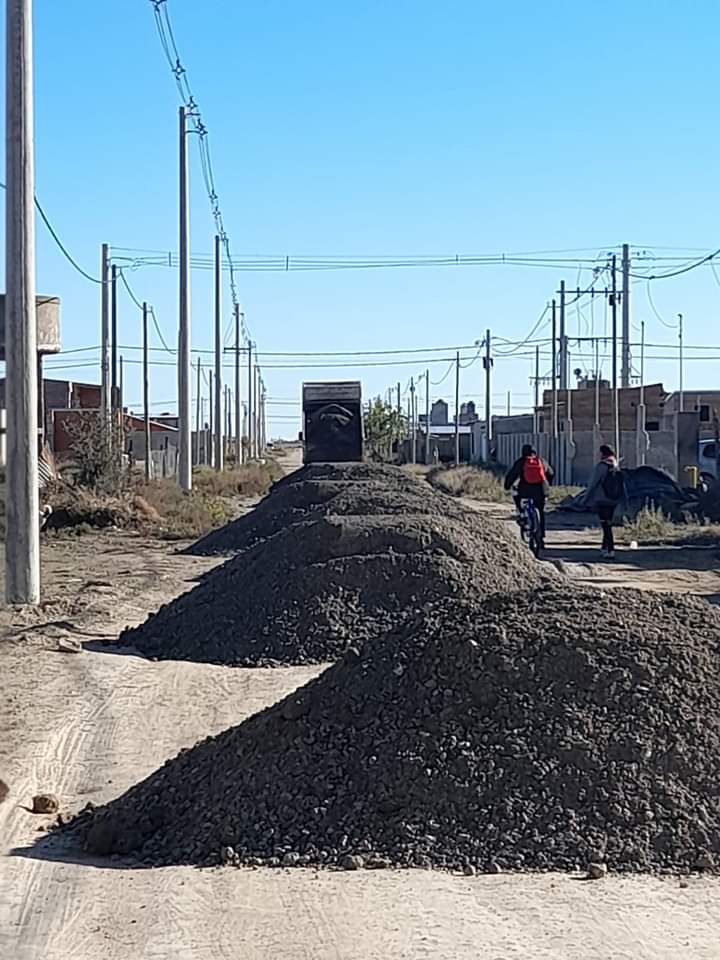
(184,361)
(114,404)
(487,363)
(616,398)
(457,409)
(625,368)
(238,398)
(427,416)
(198,413)
(563,372)
(146,392)
(219,430)
(105,403)
(22,506)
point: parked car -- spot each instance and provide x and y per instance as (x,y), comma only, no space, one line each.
(707,460)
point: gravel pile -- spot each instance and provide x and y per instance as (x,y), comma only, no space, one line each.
(303,595)
(544,730)
(314,498)
(349,473)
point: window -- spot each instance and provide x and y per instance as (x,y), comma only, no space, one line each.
(704,413)
(652,425)
(708,451)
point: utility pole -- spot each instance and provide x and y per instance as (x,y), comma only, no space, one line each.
(413,431)
(640,431)
(105,339)
(250,402)
(681,404)
(563,372)
(184,361)
(457,409)
(238,398)
(198,412)
(22,534)
(113,340)
(536,415)
(616,397)
(121,381)
(219,429)
(211,425)
(487,362)
(554,382)
(427,416)
(625,367)
(146,391)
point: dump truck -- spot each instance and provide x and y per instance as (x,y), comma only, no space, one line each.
(332,421)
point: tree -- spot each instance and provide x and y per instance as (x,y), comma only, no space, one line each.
(384,425)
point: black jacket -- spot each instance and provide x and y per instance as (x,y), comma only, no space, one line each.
(515,473)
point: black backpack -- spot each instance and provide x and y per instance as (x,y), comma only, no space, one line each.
(614,484)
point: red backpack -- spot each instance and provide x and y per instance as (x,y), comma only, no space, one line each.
(533,469)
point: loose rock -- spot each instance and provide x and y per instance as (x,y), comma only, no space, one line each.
(574,722)
(45,803)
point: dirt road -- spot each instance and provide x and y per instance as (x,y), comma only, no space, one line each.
(88,725)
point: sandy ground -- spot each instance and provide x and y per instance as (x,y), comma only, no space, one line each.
(88,725)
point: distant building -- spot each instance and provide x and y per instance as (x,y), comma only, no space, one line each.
(468,413)
(439,414)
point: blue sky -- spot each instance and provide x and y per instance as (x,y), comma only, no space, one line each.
(372,129)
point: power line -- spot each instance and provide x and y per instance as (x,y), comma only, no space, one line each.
(151,311)
(61,246)
(172,54)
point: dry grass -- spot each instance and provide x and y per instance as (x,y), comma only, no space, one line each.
(160,507)
(478,483)
(651,527)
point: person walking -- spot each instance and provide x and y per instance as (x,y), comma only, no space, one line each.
(605,491)
(532,475)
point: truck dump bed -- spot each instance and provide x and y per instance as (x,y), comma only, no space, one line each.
(332,422)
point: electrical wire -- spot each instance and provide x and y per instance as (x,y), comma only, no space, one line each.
(669,326)
(61,246)
(151,311)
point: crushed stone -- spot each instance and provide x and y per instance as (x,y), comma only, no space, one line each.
(548,729)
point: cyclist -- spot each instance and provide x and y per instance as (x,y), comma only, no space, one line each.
(532,475)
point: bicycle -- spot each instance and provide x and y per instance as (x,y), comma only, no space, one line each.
(529,520)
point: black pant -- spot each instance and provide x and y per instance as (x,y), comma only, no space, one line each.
(605,514)
(538,498)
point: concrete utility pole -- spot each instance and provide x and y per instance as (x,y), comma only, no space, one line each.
(238,398)
(536,415)
(114,404)
(427,416)
(146,391)
(457,409)
(211,425)
(105,338)
(681,401)
(625,368)
(22,534)
(413,428)
(554,381)
(184,368)
(198,413)
(250,439)
(616,397)
(219,430)
(563,341)
(256,417)
(487,362)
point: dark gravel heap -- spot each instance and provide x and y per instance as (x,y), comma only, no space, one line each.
(543,730)
(349,472)
(306,593)
(313,498)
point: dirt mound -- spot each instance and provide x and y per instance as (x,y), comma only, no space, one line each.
(349,473)
(540,731)
(317,498)
(306,593)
